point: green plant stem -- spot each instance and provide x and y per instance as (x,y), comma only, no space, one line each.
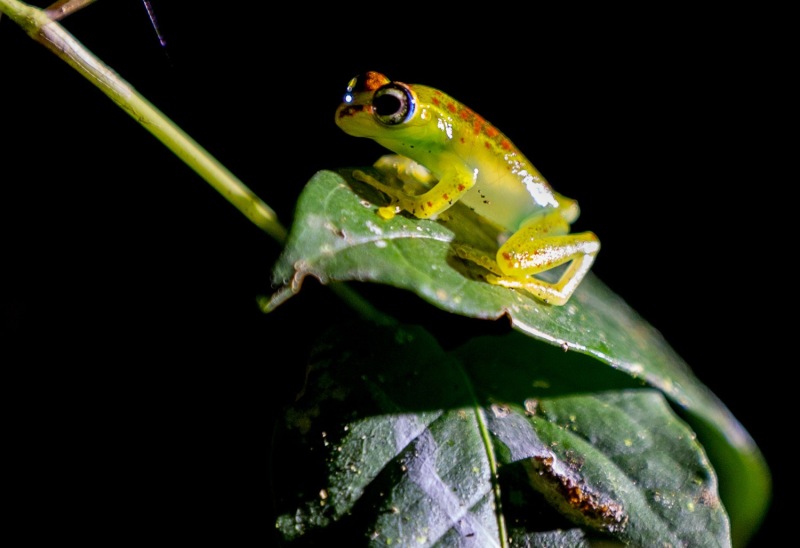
(44,30)
(62,8)
(53,36)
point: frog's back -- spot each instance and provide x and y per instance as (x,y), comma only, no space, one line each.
(508,189)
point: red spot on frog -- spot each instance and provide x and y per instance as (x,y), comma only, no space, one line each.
(478,123)
(451,107)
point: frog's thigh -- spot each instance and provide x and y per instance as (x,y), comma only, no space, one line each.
(540,246)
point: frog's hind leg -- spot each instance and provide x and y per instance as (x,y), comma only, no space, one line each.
(539,246)
(478,257)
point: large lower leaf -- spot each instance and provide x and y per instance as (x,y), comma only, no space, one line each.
(397,442)
(337,236)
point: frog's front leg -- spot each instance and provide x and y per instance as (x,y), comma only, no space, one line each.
(540,245)
(414,176)
(436,197)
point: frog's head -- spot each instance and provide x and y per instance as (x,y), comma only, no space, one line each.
(380,109)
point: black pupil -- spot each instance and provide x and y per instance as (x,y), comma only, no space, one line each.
(387,104)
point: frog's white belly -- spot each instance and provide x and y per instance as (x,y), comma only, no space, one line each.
(510,198)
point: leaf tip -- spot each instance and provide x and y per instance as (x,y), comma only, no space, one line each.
(268,304)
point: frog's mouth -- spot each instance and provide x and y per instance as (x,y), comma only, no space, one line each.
(356,119)
(353,118)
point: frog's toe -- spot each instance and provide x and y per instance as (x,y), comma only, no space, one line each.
(503,281)
(476,256)
(387,212)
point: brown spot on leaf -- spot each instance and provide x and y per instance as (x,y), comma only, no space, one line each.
(569,491)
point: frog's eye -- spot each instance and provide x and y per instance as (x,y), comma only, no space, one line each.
(393,104)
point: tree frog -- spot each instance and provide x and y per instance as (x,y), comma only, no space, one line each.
(453,154)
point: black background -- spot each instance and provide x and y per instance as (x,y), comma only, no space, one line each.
(143,375)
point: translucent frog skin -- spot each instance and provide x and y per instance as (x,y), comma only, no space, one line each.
(454,154)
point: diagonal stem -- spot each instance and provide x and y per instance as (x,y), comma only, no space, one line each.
(63,8)
(53,36)
(39,25)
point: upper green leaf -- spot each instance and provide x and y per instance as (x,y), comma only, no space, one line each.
(337,236)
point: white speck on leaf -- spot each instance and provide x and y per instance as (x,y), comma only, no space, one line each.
(375,229)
